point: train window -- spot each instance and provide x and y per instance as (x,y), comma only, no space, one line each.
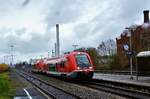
(82,60)
(52,67)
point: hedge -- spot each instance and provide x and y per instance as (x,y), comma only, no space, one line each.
(3,67)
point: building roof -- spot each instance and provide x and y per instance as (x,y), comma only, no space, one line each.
(144,54)
(146,25)
(126,32)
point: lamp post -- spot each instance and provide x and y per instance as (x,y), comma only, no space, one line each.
(130,52)
(131,64)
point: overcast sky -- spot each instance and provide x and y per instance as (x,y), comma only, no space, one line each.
(30,24)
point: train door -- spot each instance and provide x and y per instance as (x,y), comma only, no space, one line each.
(62,65)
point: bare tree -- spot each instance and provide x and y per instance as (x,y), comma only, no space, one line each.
(107,48)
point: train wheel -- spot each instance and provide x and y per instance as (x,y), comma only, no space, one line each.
(63,76)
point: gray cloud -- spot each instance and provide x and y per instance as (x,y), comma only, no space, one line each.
(64,11)
(108,23)
(38,43)
(26,2)
(35,42)
(105,19)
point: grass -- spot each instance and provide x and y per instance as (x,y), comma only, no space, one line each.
(5,92)
(9,84)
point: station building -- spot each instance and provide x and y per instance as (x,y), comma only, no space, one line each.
(138,36)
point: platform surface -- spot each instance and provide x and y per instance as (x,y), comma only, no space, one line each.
(142,80)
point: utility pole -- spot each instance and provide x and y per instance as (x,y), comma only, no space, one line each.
(41,56)
(75,46)
(52,53)
(4,59)
(48,54)
(55,49)
(12,56)
(57,40)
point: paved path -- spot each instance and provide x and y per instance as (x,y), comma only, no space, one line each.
(142,80)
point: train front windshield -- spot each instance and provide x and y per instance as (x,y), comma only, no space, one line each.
(82,60)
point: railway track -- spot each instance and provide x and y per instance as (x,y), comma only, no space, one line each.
(122,89)
(118,88)
(47,88)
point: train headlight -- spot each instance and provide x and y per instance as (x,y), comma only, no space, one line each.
(90,67)
(78,68)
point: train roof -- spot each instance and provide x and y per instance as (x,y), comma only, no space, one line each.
(77,52)
(144,54)
(58,60)
(61,58)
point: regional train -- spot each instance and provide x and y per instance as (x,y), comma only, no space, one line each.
(72,65)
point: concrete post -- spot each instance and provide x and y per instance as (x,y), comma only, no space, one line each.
(57,39)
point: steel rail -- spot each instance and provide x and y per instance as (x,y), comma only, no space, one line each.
(118,90)
(39,83)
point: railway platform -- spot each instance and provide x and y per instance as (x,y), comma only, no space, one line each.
(142,80)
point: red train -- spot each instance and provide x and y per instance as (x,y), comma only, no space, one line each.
(72,65)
